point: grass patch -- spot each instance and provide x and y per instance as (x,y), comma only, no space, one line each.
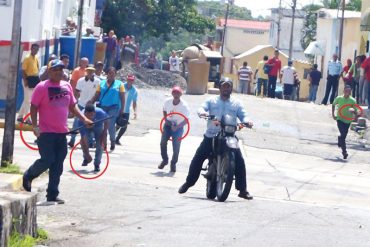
(10,168)
(17,240)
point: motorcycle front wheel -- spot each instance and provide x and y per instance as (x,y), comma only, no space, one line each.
(225,175)
(211,190)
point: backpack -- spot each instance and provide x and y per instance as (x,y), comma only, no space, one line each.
(267,68)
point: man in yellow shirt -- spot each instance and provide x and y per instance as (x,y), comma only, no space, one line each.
(30,71)
(262,76)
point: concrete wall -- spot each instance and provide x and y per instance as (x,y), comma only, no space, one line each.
(239,40)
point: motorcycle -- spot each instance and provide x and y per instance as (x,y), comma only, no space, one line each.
(221,166)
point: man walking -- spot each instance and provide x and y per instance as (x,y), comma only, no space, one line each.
(287,77)
(334,72)
(262,76)
(244,76)
(51,101)
(110,50)
(344,116)
(274,65)
(174,62)
(131,94)
(30,73)
(314,77)
(99,131)
(173,126)
(219,106)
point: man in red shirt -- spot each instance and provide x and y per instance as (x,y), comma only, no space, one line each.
(274,71)
(366,66)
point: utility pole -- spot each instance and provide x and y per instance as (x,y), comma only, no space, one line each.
(341,31)
(279,27)
(224,32)
(78,33)
(11,95)
(294,5)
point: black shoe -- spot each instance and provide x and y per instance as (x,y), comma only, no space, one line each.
(245,195)
(71,144)
(173,168)
(118,142)
(97,169)
(339,142)
(345,155)
(85,162)
(184,188)
(56,200)
(27,184)
(112,146)
(162,164)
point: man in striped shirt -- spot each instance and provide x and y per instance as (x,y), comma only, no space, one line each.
(245,74)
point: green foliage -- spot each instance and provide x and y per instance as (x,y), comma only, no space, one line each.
(42,236)
(310,24)
(145,18)
(354,5)
(18,240)
(330,4)
(8,167)
(215,9)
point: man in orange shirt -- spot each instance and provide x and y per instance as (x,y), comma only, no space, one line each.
(79,72)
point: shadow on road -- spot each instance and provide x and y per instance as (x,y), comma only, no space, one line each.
(87,172)
(206,199)
(337,160)
(163,174)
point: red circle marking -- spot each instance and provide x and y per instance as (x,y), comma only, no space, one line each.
(180,114)
(347,105)
(88,178)
(21,134)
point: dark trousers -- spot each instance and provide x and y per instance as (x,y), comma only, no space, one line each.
(123,129)
(368,95)
(53,150)
(343,130)
(331,85)
(271,86)
(176,143)
(202,154)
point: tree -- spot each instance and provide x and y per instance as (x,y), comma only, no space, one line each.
(354,5)
(217,10)
(145,18)
(310,24)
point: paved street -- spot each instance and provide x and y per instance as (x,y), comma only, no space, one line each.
(304,193)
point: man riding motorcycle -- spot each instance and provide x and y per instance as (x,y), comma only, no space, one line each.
(219,106)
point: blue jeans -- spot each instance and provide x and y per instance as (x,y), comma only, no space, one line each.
(53,150)
(111,111)
(271,86)
(313,92)
(108,59)
(261,82)
(97,133)
(75,125)
(176,143)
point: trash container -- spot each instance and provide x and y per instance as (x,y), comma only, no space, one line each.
(197,77)
(67,46)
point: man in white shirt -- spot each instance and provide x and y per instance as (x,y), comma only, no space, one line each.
(173,126)
(85,90)
(287,77)
(174,62)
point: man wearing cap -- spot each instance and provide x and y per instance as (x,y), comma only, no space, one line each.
(43,73)
(173,126)
(344,116)
(219,106)
(287,76)
(131,94)
(85,90)
(99,131)
(51,101)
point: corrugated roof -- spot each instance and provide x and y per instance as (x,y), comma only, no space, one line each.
(259,25)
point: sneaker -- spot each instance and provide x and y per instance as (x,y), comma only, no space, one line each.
(27,184)
(71,143)
(85,162)
(56,200)
(97,169)
(118,142)
(245,195)
(184,188)
(345,155)
(162,164)
(112,146)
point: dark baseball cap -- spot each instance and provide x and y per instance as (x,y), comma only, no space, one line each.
(56,63)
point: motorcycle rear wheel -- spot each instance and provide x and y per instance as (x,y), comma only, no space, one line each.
(225,175)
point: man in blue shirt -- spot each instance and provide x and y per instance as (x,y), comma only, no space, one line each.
(219,106)
(99,130)
(334,71)
(131,97)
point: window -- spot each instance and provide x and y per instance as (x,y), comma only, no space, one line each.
(5,2)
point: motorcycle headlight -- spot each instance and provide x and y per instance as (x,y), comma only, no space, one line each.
(230,129)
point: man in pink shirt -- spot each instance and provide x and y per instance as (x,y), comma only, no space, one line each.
(51,101)
(274,71)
